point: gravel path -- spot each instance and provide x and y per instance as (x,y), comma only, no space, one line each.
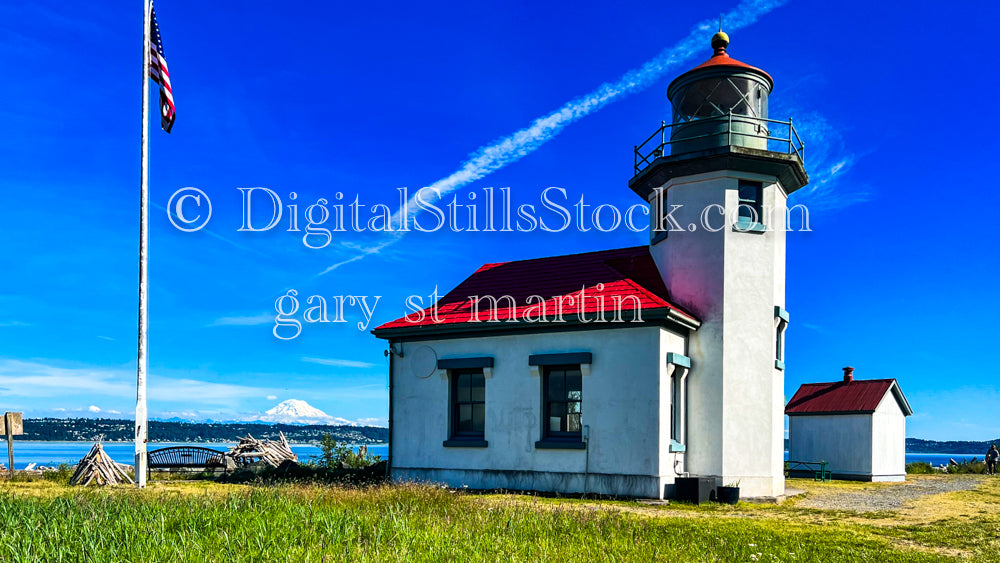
(890,497)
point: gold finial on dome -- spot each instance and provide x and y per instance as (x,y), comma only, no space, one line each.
(719,42)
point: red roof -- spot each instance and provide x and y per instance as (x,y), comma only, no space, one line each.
(723,59)
(624,277)
(858,396)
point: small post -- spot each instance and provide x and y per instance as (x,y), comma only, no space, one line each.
(13,425)
(10,447)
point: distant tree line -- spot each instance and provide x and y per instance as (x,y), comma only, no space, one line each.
(89,429)
(918,446)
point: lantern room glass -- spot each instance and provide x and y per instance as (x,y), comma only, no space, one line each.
(719,96)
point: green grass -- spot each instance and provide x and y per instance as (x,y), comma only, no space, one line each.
(188,521)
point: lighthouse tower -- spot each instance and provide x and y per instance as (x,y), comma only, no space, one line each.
(717,178)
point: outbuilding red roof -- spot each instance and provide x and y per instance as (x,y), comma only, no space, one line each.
(622,279)
(857,396)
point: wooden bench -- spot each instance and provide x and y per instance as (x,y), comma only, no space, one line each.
(817,468)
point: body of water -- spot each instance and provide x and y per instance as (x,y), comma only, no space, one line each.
(54,453)
(934,459)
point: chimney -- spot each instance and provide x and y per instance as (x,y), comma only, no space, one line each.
(848,374)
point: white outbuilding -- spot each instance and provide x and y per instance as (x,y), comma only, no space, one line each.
(858,427)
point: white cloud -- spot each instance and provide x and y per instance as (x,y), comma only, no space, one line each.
(33,379)
(105,338)
(250,320)
(338,363)
(372,422)
(13,324)
(829,161)
(48,382)
(40,380)
(199,391)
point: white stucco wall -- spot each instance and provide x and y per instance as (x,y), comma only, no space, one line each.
(731,281)
(888,441)
(844,441)
(621,406)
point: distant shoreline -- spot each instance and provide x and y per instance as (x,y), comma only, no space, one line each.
(17,440)
(119,431)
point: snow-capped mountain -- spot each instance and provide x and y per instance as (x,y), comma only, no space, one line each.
(295,411)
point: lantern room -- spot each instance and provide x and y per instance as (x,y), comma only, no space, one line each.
(719,120)
(720,102)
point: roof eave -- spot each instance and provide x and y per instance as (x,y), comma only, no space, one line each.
(819,413)
(652,316)
(904,405)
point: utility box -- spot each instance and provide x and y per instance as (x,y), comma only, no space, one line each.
(695,489)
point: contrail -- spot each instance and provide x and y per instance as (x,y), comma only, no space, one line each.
(213,234)
(512,148)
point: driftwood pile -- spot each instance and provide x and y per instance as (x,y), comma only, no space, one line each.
(251,450)
(97,467)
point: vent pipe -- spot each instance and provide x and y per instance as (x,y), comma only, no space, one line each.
(848,374)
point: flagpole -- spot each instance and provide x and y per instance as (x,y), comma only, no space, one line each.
(141,419)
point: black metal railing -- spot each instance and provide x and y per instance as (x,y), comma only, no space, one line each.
(184,456)
(768,130)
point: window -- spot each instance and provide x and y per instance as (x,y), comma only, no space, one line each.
(563,401)
(678,366)
(750,212)
(468,403)
(674,411)
(780,324)
(778,344)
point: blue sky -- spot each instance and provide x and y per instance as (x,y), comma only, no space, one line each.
(897,277)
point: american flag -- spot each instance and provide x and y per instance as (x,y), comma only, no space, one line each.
(159,73)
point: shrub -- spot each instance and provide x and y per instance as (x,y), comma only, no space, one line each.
(967,466)
(341,456)
(291,472)
(920,468)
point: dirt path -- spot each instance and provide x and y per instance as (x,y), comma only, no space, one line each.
(888,496)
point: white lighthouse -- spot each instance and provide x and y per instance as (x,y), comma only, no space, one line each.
(717,184)
(637,371)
